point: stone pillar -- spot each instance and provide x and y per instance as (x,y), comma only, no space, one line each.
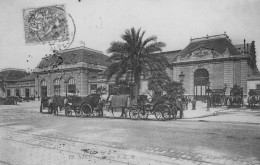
(243,76)
(228,75)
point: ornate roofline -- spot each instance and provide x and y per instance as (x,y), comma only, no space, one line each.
(232,58)
(80,47)
(210,37)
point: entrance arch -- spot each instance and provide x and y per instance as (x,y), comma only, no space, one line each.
(201,78)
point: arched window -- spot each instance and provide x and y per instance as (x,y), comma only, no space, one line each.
(201,78)
(17,92)
(43,88)
(72,85)
(56,83)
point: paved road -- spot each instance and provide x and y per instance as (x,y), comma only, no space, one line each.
(28,137)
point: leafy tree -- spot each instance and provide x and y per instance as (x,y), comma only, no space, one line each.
(157,81)
(134,55)
(174,88)
(253,57)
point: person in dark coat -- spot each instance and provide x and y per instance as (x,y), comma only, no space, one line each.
(180,107)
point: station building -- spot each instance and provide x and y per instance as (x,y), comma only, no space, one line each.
(211,61)
(73,71)
(16,82)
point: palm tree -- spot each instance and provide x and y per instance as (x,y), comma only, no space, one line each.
(135,56)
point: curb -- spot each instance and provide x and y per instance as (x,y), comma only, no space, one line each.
(201,116)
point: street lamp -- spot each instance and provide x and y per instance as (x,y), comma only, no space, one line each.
(208,91)
(66,86)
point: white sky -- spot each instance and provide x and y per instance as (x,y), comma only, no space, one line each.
(99,22)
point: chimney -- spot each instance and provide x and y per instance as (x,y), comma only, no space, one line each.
(244,46)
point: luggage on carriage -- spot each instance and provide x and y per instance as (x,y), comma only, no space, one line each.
(217,97)
(236,97)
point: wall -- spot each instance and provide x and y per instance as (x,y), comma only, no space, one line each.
(244,75)
(228,75)
(252,85)
(217,76)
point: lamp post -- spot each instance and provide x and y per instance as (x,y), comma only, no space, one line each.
(208,91)
(181,77)
(66,86)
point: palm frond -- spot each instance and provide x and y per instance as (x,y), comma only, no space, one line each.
(149,39)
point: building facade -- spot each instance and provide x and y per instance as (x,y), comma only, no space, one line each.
(74,71)
(16,82)
(213,61)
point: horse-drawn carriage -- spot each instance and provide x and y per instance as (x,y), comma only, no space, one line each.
(253,98)
(217,97)
(90,105)
(236,97)
(163,108)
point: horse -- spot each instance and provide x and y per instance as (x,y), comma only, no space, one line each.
(253,100)
(119,101)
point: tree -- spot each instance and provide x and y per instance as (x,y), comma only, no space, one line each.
(157,81)
(253,57)
(135,56)
(174,88)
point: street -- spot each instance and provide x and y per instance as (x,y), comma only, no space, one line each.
(28,137)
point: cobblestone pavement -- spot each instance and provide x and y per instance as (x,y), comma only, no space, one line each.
(28,137)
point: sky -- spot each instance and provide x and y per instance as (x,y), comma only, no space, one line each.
(99,22)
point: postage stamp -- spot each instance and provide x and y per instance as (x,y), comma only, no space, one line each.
(45,24)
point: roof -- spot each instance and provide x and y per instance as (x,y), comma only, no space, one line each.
(75,55)
(242,47)
(30,77)
(218,43)
(254,77)
(170,55)
(13,74)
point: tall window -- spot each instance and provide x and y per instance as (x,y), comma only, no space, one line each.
(93,88)
(258,86)
(17,92)
(201,77)
(72,86)
(56,87)
(27,92)
(8,93)
(43,88)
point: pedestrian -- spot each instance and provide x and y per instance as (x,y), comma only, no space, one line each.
(179,106)
(193,102)
(186,102)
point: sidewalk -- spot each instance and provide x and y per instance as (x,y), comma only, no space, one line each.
(201,111)
(234,115)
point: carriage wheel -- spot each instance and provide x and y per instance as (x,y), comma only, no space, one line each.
(158,112)
(133,113)
(143,114)
(78,112)
(86,108)
(164,110)
(68,111)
